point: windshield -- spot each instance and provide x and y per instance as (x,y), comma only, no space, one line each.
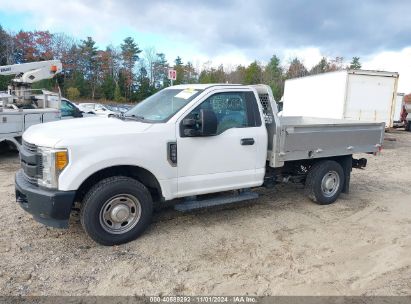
(161,106)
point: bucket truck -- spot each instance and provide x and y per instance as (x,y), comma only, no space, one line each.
(21,106)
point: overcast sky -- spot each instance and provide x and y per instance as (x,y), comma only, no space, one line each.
(236,31)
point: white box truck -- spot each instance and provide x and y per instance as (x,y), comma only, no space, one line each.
(348,94)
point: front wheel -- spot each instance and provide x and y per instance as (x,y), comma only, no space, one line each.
(116,210)
(325,181)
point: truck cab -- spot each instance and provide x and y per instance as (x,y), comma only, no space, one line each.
(179,145)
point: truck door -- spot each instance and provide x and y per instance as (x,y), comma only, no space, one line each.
(231,158)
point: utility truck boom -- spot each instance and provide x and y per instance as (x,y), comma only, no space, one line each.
(28,73)
(21,106)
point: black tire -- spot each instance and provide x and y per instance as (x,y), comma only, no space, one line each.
(111,191)
(316,182)
(408,126)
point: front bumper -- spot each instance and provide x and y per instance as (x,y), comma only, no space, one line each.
(49,207)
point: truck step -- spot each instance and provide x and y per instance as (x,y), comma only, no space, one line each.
(216,201)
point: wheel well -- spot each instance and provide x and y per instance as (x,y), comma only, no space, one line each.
(142,175)
(346,163)
(13,143)
(301,167)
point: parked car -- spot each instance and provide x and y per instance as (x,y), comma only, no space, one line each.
(96,108)
(119,108)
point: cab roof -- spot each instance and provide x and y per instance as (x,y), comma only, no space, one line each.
(203,86)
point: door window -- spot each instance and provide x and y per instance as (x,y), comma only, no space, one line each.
(232,109)
(67,109)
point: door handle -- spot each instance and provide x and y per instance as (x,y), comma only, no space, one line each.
(247,141)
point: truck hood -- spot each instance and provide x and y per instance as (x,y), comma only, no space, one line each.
(80,129)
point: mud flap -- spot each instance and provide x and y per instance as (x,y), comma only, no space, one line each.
(346,164)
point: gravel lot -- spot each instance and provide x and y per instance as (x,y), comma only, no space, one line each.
(280,244)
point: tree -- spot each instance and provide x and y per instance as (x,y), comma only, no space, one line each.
(43,41)
(151,57)
(129,52)
(160,71)
(237,75)
(336,64)
(190,75)
(4,39)
(296,69)
(355,63)
(143,84)
(109,71)
(320,67)
(253,74)
(90,63)
(33,46)
(117,94)
(73,93)
(24,47)
(180,70)
(178,61)
(212,75)
(273,76)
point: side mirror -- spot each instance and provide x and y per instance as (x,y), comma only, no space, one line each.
(208,121)
(205,125)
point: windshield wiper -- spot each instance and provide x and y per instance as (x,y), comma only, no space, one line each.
(134,117)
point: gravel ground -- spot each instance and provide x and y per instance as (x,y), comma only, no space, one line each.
(280,244)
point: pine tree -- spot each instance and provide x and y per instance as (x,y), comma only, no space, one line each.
(180,70)
(321,67)
(129,52)
(253,74)
(273,76)
(89,63)
(355,63)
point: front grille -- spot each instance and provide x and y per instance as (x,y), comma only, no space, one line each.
(31,180)
(29,147)
(31,163)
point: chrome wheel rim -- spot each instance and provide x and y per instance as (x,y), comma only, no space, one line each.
(120,213)
(330,183)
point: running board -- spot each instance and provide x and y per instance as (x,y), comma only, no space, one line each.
(216,201)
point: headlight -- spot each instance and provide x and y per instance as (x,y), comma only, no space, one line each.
(53,162)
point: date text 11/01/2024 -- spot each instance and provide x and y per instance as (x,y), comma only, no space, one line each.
(203,299)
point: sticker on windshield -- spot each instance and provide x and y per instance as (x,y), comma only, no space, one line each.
(186,94)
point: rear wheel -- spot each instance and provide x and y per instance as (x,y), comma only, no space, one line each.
(325,181)
(408,126)
(116,210)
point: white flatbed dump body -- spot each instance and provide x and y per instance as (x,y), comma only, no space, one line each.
(292,138)
(307,137)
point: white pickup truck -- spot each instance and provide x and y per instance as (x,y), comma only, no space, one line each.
(181,145)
